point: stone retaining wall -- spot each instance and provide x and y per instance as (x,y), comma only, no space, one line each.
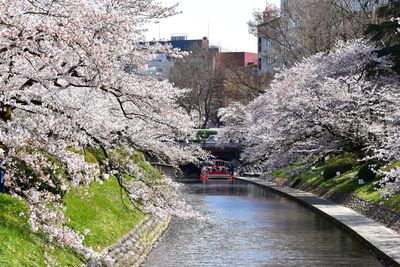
(133,248)
(378,213)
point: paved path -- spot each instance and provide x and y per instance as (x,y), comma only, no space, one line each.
(381,239)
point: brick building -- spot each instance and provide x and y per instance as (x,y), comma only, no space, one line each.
(233,60)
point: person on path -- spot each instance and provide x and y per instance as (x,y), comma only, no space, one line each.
(2,179)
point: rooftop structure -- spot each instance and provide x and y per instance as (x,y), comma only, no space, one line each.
(162,64)
(181,42)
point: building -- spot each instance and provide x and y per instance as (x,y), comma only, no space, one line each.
(163,63)
(289,38)
(240,76)
(180,41)
(267,58)
(234,60)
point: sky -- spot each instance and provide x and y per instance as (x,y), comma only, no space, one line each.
(223,21)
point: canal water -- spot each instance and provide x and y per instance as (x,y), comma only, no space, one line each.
(245,225)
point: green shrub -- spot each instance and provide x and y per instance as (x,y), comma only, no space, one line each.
(56,174)
(86,153)
(24,176)
(97,153)
(366,173)
(391,166)
(150,173)
(320,162)
(341,163)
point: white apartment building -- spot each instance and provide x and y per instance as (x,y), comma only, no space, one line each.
(272,54)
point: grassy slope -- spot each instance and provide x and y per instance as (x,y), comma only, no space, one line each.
(103,209)
(21,247)
(346,182)
(100,208)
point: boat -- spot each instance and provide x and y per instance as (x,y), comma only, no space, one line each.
(216,169)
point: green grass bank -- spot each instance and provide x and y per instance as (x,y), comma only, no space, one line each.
(341,173)
(100,210)
(21,247)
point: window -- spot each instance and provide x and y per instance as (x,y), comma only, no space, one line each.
(267,42)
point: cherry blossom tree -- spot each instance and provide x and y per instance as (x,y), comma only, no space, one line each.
(198,72)
(234,118)
(73,75)
(344,100)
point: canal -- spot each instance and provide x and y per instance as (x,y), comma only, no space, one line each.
(246,225)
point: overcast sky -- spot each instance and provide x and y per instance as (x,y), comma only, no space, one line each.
(224,21)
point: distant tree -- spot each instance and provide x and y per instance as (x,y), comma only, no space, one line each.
(386,32)
(204,83)
(304,28)
(244,83)
(212,82)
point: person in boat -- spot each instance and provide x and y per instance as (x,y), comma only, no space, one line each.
(231,168)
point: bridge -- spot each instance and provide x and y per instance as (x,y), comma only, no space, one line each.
(222,150)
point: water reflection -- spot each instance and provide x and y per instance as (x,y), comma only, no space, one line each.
(250,226)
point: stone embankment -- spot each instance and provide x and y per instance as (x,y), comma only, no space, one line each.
(382,241)
(134,247)
(378,213)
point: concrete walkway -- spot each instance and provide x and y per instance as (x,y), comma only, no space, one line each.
(384,242)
